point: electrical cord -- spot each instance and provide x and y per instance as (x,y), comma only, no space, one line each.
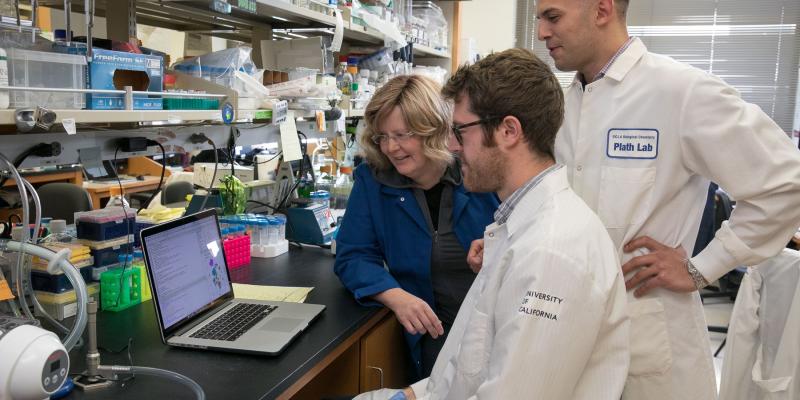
(213,175)
(127,228)
(232,148)
(127,347)
(41,149)
(262,204)
(266,161)
(161,180)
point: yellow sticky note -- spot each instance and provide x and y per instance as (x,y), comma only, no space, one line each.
(271,293)
(5,291)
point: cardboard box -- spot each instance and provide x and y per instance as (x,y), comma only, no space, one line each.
(283,55)
(273,77)
(110,70)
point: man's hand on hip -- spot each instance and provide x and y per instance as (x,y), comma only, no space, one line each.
(663,267)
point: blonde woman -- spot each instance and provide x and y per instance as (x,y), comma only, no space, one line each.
(409,211)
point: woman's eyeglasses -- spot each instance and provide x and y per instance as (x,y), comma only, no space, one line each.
(398,138)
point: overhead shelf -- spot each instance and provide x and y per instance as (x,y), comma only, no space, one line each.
(360,33)
(425,51)
(290,12)
(165,117)
(196,16)
(157,117)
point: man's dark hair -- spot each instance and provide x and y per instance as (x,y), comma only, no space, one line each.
(515,83)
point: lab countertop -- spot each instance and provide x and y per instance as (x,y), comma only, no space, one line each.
(231,375)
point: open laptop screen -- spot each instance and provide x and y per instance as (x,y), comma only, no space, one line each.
(187,266)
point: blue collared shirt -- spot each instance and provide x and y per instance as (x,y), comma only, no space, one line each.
(507,207)
(610,62)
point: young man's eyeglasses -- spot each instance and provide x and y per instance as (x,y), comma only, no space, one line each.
(457,129)
(398,138)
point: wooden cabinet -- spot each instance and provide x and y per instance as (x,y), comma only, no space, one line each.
(375,357)
(383,356)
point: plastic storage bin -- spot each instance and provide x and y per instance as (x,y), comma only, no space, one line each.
(102,231)
(56,283)
(109,255)
(136,233)
(52,70)
(63,305)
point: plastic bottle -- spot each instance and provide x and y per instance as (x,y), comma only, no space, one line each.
(324,180)
(321,156)
(342,188)
(373,78)
(58,228)
(4,95)
(117,199)
(344,79)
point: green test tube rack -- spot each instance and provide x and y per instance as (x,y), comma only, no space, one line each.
(120,290)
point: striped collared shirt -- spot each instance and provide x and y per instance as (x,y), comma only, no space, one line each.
(610,62)
(507,207)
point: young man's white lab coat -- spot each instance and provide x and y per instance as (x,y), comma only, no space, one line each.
(546,317)
(639,147)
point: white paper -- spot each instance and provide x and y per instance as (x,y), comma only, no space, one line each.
(338,33)
(69,125)
(290,142)
(340,124)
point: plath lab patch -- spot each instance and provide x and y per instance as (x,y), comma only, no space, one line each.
(632,143)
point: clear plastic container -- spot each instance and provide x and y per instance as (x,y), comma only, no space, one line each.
(30,68)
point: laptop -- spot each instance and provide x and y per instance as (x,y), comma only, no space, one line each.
(193,294)
(101,172)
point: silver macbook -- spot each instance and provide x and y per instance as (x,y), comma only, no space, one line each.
(193,294)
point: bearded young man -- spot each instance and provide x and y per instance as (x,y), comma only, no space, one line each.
(546,316)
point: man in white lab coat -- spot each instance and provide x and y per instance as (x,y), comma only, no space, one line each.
(546,316)
(642,136)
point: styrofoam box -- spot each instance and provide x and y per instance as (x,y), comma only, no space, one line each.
(52,70)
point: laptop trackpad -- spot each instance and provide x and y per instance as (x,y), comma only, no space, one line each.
(281,324)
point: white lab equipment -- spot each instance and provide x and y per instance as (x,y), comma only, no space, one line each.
(35,363)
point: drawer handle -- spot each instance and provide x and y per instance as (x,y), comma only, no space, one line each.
(380,371)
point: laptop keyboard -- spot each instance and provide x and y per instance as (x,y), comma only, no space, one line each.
(234,322)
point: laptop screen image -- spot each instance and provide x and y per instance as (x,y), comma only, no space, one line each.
(188,269)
